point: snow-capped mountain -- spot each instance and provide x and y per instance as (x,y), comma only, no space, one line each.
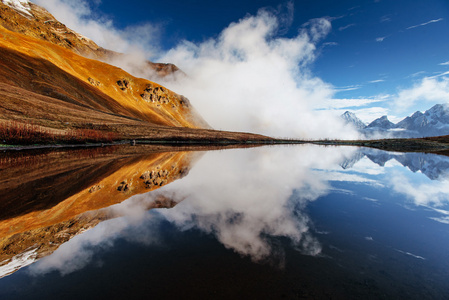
(433,122)
(382,123)
(351,118)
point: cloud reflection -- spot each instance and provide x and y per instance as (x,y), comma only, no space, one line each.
(248,198)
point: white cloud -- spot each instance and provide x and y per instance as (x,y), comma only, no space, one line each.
(433,90)
(250,79)
(381,39)
(426,23)
(444,63)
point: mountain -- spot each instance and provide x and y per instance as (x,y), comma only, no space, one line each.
(54,78)
(433,122)
(381,123)
(351,118)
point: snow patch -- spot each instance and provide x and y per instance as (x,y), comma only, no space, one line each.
(22,6)
(17,262)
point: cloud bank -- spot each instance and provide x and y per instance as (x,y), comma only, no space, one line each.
(250,79)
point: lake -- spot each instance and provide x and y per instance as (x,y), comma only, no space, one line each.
(273,222)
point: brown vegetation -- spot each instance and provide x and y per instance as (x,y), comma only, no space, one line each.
(13,132)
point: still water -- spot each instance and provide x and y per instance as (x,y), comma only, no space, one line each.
(290,222)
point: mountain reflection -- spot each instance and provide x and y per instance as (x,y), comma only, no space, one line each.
(47,198)
(433,166)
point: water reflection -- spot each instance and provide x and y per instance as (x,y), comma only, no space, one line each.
(245,198)
(353,211)
(248,199)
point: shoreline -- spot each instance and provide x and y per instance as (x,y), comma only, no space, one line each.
(431,144)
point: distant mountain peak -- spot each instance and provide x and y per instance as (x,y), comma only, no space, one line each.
(417,114)
(351,118)
(382,123)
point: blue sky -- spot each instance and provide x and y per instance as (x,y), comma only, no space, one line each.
(377,57)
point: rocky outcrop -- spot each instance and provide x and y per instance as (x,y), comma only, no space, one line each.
(123,84)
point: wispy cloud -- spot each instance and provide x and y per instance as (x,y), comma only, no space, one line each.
(330,44)
(351,103)
(426,23)
(376,81)
(416,74)
(386,18)
(410,254)
(439,75)
(346,27)
(348,88)
(381,39)
(444,64)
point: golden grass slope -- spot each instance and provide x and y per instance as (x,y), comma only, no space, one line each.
(50,70)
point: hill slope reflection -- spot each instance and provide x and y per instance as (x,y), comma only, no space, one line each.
(46,199)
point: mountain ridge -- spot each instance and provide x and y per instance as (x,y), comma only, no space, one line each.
(433,122)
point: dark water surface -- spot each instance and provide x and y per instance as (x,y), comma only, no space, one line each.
(297,222)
